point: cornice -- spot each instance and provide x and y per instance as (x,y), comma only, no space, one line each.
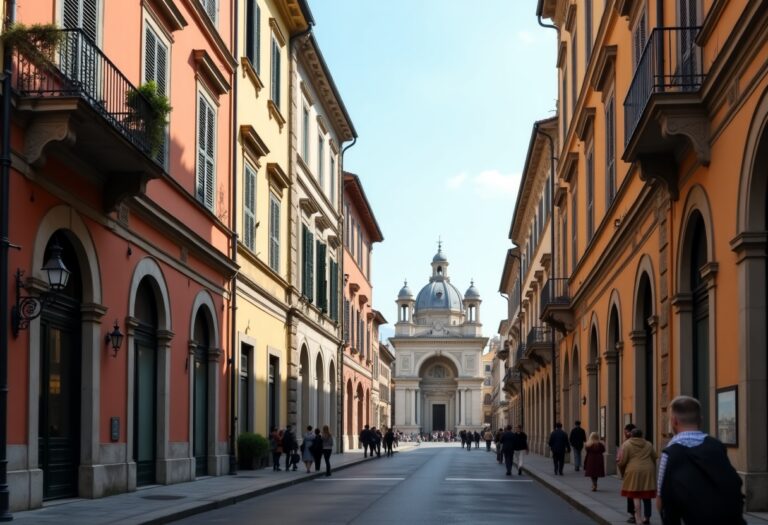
(277,177)
(172,18)
(206,67)
(211,33)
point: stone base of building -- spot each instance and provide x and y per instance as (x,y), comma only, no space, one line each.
(26,489)
(756,489)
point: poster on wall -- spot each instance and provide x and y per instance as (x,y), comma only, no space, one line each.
(727,416)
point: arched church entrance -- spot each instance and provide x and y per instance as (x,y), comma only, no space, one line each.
(437,405)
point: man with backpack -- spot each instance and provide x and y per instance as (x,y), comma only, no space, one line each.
(696,481)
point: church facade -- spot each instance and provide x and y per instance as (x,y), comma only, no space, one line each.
(439,345)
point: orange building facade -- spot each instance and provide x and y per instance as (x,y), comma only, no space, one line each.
(143,222)
(360,320)
(656,282)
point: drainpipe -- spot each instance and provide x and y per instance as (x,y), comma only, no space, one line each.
(234,350)
(5,173)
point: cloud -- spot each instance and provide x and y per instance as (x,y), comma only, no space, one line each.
(488,184)
(526,38)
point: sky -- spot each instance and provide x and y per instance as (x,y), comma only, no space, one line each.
(443,95)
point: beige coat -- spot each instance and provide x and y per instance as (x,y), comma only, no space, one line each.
(638,465)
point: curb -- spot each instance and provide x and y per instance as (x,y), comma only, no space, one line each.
(227,501)
(584,509)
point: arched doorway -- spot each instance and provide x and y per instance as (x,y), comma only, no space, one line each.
(360,396)
(593,381)
(305,387)
(201,387)
(145,383)
(438,394)
(350,414)
(566,403)
(575,389)
(613,360)
(60,380)
(332,398)
(645,362)
(699,334)
(321,419)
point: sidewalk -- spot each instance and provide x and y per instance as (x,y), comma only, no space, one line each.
(165,503)
(606,505)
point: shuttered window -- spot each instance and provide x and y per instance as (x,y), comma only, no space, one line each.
(307,260)
(574,72)
(211,8)
(321,162)
(564,102)
(574,230)
(79,61)
(347,314)
(610,152)
(590,159)
(156,70)
(321,282)
(332,176)
(334,285)
(275,90)
(639,38)
(249,207)
(305,134)
(82,14)
(206,152)
(274,233)
(587,30)
(253,34)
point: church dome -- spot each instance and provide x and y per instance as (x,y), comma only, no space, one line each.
(439,295)
(405,292)
(472,292)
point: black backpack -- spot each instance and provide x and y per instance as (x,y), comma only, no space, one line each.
(700,486)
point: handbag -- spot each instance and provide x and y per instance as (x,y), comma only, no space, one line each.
(295,458)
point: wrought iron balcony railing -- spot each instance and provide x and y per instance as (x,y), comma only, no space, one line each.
(539,335)
(670,62)
(80,69)
(519,353)
(555,292)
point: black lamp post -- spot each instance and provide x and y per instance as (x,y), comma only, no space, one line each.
(115,339)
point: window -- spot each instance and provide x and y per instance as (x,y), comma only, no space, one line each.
(274,233)
(359,246)
(639,38)
(156,70)
(564,242)
(321,161)
(211,8)
(322,283)
(275,91)
(305,134)
(368,260)
(564,102)
(274,390)
(245,388)
(346,321)
(587,30)
(334,285)
(590,192)
(610,151)
(307,268)
(249,208)
(253,34)
(206,151)
(332,177)
(574,71)
(574,229)
(82,14)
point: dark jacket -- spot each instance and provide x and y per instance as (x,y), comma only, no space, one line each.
(594,464)
(701,486)
(289,442)
(521,441)
(508,442)
(578,438)
(365,436)
(558,441)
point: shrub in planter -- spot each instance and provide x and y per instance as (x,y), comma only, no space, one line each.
(152,111)
(38,42)
(252,450)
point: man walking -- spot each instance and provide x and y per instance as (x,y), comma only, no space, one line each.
(365,440)
(389,438)
(577,439)
(508,447)
(477,439)
(290,445)
(558,443)
(521,448)
(696,481)
(488,437)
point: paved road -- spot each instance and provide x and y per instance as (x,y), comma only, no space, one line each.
(432,484)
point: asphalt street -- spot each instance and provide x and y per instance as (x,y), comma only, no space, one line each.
(432,484)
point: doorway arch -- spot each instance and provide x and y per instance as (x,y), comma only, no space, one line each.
(644,346)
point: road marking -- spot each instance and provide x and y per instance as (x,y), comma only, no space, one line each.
(359,479)
(491,480)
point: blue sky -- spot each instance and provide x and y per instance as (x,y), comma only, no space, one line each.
(443,94)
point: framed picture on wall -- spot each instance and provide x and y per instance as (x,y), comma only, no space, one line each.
(602,422)
(727,416)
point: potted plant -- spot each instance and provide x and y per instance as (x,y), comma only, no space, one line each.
(252,450)
(38,42)
(151,110)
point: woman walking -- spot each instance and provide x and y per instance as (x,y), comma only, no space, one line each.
(594,466)
(317,449)
(306,448)
(327,448)
(275,445)
(638,468)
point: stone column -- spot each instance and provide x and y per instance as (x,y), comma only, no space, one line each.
(611,360)
(638,347)
(460,409)
(593,410)
(417,395)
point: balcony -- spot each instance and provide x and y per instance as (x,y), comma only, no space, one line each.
(663,111)
(76,104)
(538,347)
(555,303)
(503,351)
(522,362)
(512,381)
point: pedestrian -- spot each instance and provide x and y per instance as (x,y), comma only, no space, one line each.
(488,437)
(463,435)
(638,469)
(276,447)
(594,464)
(497,440)
(469,439)
(365,440)
(327,448)
(508,447)
(376,442)
(558,443)
(389,439)
(628,428)
(290,446)
(577,439)
(317,449)
(477,439)
(306,448)
(696,482)
(521,448)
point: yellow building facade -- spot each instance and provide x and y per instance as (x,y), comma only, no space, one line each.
(657,279)
(265,28)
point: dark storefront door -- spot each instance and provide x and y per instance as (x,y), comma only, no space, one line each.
(145,403)
(59,417)
(201,412)
(438,417)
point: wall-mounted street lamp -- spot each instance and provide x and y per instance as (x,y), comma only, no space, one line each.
(28,308)
(115,339)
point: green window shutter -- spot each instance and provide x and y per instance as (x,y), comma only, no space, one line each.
(304,237)
(253,34)
(322,283)
(274,233)
(310,267)
(275,91)
(346,321)
(334,290)
(206,134)
(249,208)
